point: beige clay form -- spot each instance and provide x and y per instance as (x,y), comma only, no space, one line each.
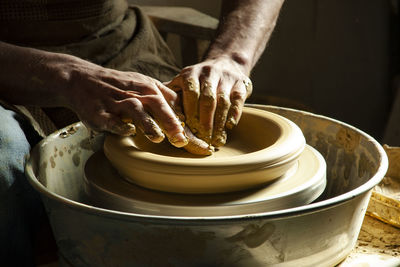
(302,184)
(262,148)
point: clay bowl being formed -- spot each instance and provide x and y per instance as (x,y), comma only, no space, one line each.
(262,148)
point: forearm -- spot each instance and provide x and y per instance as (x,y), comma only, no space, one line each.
(102,98)
(244,30)
(31,77)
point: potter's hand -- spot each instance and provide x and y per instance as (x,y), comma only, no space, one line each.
(109,100)
(213,92)
(104,99)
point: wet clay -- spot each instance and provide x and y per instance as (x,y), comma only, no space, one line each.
(300,185)
(261,148)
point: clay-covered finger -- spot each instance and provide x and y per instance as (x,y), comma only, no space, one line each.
(124,128)
(171,94)
(151,129)
(105,121)
(197,146)
(190,91)
(240,91)
(248,85)
(133,109)
(166,119)
(190,95)
(207,106)
(223,104)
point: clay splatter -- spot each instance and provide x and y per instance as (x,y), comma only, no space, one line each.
(76,159)
(52,162)
(68,132)
(348,139)
(254,235)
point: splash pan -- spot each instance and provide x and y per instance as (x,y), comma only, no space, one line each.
(321,233)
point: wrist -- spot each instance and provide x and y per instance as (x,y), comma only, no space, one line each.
(240,59)
(55,69)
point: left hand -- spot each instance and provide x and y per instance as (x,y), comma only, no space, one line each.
(213,94)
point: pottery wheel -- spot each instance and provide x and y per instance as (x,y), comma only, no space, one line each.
(302,184)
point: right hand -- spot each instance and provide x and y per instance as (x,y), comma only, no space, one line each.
(213,93)
(106,99)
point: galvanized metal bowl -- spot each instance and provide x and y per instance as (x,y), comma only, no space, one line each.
(318,234)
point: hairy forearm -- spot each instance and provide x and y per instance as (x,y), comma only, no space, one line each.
(30,76)
(244,30)
(101,97)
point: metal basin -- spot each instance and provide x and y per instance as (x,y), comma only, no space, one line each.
(318,234)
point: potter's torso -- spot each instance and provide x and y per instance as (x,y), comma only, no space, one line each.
(53,22)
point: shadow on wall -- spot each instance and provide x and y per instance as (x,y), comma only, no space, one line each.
(330,57)
(209,7)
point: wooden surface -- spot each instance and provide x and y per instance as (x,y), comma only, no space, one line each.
(379,240)
(192,30)
(183,21)
(378,245)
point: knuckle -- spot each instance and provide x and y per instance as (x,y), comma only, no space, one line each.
(153,89)
(248,86)
(207,87)
(191,85)
(186,70)
(131,104)
(223,100)
(237,95)
(156,100)
(208,96)
(206,70)
(129,84)
(208,100)
(153,102)
(170,122)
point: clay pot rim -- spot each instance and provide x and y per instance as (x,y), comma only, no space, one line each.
(285,149)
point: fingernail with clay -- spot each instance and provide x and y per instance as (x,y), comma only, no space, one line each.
(230,123)
(130,129)
(126,120)
(125,129)
(220,140)
(156,135)
(155,138)
(179,140)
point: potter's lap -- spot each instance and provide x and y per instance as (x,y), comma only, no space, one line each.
(20,205)
(14,146)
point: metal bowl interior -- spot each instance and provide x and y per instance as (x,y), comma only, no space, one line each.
(317,234)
